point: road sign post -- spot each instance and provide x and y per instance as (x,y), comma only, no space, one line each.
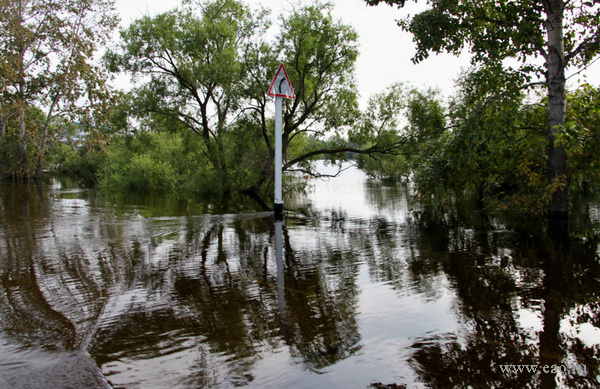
(281,88)
(278,203)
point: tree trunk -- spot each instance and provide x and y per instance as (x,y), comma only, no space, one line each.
(23,169)
(44,141)
(223,163)
(555,77)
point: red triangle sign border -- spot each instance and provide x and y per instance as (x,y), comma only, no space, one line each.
(290,94)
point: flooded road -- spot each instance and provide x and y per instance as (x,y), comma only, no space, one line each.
(349,290)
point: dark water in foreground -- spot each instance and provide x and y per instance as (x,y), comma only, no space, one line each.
(348,291)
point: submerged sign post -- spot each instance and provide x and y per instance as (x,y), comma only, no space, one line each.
(281,88)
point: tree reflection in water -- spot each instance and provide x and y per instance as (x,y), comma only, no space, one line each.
(221,289)
(499,280)
(237,299)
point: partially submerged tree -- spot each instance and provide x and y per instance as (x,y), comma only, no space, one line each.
(193,62)
(208,66)
(47,50)
(406,119)
(492,150)
(561,33)
(320,55)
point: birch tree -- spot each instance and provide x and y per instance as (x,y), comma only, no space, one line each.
(47,49)
(545,37)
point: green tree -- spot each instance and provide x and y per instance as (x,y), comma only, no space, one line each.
(47,61)
(494,144)
(33,120)
(149,162)
(402,117)
(208,65)
(485,145)
(561,33)
(194,62)
(582,136)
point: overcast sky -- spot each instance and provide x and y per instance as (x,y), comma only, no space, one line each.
(385,51)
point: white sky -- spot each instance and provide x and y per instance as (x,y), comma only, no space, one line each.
(385,50)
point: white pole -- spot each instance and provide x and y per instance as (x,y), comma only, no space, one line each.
(278,207)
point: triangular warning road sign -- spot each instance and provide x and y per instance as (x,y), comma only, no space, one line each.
(281,86)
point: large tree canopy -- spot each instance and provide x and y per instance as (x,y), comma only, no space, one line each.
(47,49)
(556,33)
(195,63)
(207,66)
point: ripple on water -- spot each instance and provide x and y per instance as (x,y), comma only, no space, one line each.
(24,368)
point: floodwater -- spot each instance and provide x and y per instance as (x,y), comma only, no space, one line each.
(351,290)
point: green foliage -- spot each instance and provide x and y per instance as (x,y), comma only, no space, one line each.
(382,123)
(412,123)
(146,163)
(320,54)
(149,162)
(544,37)
(66,159)
(143,173)
(9,155)
(207,66)
(387,168)
(488,144)
(10,142)
(246,154)
(493,150)
(494,31)
(581,136)
(197,60)
(47,51)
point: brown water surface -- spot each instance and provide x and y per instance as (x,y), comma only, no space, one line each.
(348,291)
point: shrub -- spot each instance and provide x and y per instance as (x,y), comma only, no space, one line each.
(146,163)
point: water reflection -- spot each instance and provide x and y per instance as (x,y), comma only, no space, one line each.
(514,299)
(285,325)
(334,295)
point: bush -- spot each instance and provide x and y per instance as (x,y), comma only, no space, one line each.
(146,163)
(144,174)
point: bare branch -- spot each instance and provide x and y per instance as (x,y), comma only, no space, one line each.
(583,68)
(376,149)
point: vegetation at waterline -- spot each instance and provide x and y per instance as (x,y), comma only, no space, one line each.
(198,119)
(489,143)
(48,77)
(541,38)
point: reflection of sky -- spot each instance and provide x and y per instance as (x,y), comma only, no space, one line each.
(388,326)
(531,321)
(347,195)
(133,261)
(344,192)
(585,332)
(390,316)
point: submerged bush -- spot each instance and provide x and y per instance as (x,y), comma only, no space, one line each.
(145,163)
(142,174)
